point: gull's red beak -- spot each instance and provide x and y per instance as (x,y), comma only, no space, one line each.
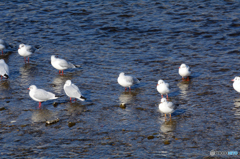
(232,80)
(28,89)
(178,67)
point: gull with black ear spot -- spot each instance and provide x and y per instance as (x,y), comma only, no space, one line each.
(184,71)
(25,51)
(4,70)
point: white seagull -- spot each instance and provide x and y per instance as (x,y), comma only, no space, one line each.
(166,107)
(127,81)
(25,51)
(73,91)
(162,88)
(61,64)
(3,45)
(40,95)
(236,84)
(4,70)
(184,71)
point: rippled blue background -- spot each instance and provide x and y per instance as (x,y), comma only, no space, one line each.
(148,39)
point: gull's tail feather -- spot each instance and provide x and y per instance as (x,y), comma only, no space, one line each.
(82,98)
(77,66)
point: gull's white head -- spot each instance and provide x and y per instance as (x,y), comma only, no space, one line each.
(183,66)
(68,82)
(32,87)
(21,46)
(160,82)
(163,100)
(236,79)
(53,57)
(121,74)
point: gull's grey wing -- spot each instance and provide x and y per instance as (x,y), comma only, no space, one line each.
(43,95)
(30,48)
(72,91)
(64,63)
(129,79)
(136,80)
(167,84)
(170,105)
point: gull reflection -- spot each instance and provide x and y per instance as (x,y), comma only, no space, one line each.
(41,115)
(27,72)
(237,107)
(59,82)
(127,97)
(237,103)
(74,110)
(168,126)
(4,87)
(183,86)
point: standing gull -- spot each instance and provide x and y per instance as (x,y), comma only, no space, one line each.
(61,64)
(184,71)
(73,91)
(4,70)
(162,88)
(166,107)
(25,51)
(40,95)
(127,81)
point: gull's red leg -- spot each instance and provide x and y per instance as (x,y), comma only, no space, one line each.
(40,104)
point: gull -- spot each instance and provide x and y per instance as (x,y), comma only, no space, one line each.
(162,88)
(61,64)
(40,95)
(236,84)
(73,91)
(127,81)
(4,70)
(25,51)
(184,71)
(166,107)
(3,45)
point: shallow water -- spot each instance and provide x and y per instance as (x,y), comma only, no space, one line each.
(147,39)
